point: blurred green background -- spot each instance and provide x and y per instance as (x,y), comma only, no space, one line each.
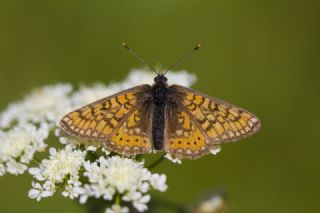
(262,55)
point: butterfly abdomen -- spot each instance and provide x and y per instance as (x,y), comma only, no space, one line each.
(158,123)
(159,96)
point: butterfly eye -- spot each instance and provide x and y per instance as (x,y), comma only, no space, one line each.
(160,78)
(165,79)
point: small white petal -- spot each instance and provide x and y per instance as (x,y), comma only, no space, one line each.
(117,209)
(2,169)
(52,151)
(34,171)
(145,199)
(83,199)
(173,159)
(141,207)
(46,193)
(144,187)
(214,204)
(159,182)
(65,194)
(63,140)
(36,185)
(34,193)
(215,149)
(91,148)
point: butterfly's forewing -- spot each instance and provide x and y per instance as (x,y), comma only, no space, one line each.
(103,119)
(217,120)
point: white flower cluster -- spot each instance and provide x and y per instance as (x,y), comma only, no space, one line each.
(43,105)
(25,126)
(116,175)
(18,146)
(60,170)
(106,178)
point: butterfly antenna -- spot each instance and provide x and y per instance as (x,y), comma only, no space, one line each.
(125,45)
(183,57)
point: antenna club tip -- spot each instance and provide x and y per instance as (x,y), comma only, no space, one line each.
(197,47)
(124,44)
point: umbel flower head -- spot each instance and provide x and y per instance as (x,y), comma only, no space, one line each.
(77,169)
(18,145)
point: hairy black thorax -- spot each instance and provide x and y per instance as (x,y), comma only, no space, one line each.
(160,92)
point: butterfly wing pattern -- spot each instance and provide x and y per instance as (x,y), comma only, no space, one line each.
(179,120)
(199,122)
(183,138)
(119,121)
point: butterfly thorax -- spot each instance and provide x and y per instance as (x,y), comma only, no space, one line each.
(160,89)
(159,98)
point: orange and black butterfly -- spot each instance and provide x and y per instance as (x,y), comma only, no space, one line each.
(176,119)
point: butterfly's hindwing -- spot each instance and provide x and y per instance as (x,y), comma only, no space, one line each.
(183,138)
(102,119)
(134,135)
(220,121)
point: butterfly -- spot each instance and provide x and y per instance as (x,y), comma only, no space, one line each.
(178,120)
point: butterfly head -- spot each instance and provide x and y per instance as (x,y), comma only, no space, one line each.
(160,79)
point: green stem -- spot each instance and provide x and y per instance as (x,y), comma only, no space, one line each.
(118,200)
(155,163)
(35,162)
(96,205)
